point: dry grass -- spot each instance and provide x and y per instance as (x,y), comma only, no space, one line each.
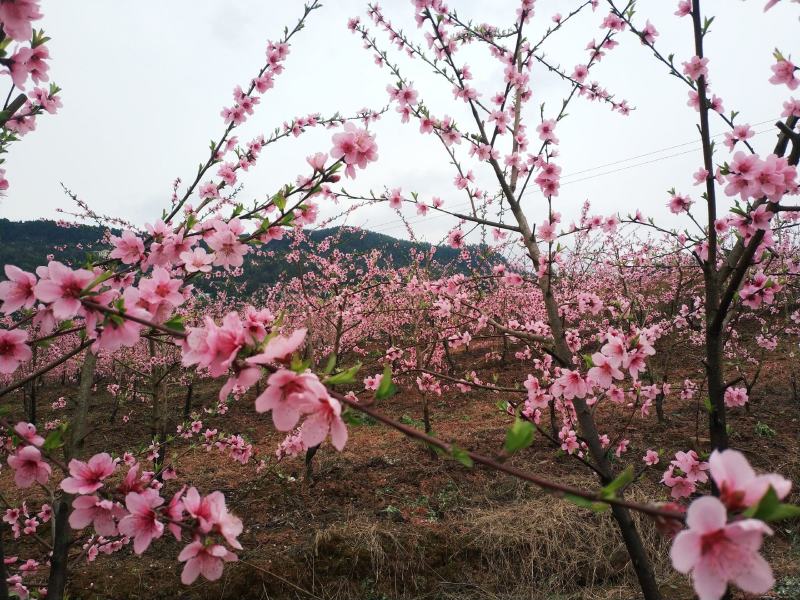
(522,545)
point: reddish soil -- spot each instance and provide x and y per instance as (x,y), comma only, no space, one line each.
(384,519)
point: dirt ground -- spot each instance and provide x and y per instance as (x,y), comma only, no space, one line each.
(385,520)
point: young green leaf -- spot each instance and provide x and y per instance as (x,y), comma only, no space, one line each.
(770,508)
(176,323)
(54,439)
(347,376)
(519,435)
(584,503)
(621,481)
(299,365)
(461,456)
(331,364)
(386,389)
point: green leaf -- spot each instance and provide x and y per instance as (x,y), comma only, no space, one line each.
(97,281)
(439,451)
(331,364)
(707,403)
(707,24)
(621,481)
(386,389)
(54,439)
(519,435)
(406,420)
(176,322)
(280,202)
(299,365)
(347,376)
(770,508)
(353,417)
(461,456)
(584,503)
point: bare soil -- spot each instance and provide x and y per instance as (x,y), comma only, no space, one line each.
(386,520)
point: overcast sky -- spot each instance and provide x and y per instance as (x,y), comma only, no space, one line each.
(143,84)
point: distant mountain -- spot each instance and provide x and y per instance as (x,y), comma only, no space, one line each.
(27,245)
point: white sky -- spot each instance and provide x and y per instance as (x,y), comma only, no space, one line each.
(143,84)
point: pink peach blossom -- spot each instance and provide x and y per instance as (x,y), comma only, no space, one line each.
(29,467)
(783,71)
(738,483)
(27,431)
(205,560)
(280,348)
(17,292)
(128,248)
(288,395)
(142,522)
(197,260)
(87,477)
(16,18)
(13,350)
(325,417)
(717,553)
(63,287)
(356,147)
(91,510)
(651,458)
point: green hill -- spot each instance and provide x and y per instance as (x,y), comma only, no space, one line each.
(27,244)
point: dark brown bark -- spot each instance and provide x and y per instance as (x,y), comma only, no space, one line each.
(160,406)
(187,405)
(57,582)
(3,574)
(80,410)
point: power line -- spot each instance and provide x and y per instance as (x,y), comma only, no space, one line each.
(397,223)
(616,162)
(690,151)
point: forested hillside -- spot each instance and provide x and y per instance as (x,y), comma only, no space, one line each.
(27,244)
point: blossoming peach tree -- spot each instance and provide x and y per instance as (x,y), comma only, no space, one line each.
(584,345)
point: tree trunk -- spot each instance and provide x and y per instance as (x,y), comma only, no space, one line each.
(450,364)
(57,582)
(660,406)
(80,411)
(630,535)
(187,405)
(637,552)
(588,429)
(32,403)
(310,452)
(718,430)
(3,574)
(31,392)
(158,424)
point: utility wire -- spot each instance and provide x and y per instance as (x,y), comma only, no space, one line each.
(397,224)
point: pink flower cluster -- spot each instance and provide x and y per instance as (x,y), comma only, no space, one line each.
(759,290)
(289,394)
(245,101)
(134,509)
(685,471)
(749,176)
(356,147)
(717,550)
